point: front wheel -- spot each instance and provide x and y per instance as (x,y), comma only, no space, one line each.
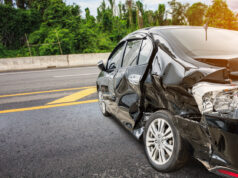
(102,104)
(163,143)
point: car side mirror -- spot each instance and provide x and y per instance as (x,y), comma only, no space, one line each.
(101,65)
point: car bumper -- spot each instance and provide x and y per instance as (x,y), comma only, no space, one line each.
(224,171)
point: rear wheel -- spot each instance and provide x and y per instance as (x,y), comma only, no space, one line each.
(102,104)
(163,145)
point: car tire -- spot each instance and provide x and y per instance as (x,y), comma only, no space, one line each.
(167,151)
(102,104)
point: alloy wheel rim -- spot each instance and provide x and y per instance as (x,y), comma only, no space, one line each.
(160,141)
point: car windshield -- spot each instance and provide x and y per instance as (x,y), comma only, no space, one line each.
(193,41)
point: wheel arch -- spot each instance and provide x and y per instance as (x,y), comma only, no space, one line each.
(139,131)
(182,152)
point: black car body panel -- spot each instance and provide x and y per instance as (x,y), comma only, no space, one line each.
(166,82)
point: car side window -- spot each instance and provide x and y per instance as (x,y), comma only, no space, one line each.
(116,58)
(146,51)
(131,53)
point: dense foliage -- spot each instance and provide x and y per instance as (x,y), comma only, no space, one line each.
(52,27)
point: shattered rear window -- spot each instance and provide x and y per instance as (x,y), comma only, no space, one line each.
(193,41)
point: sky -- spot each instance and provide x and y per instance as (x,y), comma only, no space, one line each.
(149,4)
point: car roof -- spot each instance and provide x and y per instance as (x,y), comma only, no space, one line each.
(138,33)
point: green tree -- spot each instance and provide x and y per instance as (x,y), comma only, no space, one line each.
(42,20)
(58,18)
(161,14)
(86,39)
(8,2)
(220,16)
(120,6)
(100,11)
(16,24)
(129,4)
(178,12)
(112,4)
(90,20)
(150,18)
(66,39)
(105,18)
(2,51)
(140,13)
(196,14)
(119,30)
(39,5)
(60,15)
(20,4)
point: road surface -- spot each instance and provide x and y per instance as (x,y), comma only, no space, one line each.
(51,126)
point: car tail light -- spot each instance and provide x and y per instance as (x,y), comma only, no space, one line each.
(225,172)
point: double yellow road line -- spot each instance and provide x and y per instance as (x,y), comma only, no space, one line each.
(65,101)
(42,92)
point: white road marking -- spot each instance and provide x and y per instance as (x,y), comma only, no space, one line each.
(44,70)
(76,75)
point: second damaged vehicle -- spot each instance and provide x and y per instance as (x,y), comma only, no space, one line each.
(176,88)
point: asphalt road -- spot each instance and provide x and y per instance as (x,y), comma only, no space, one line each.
(51,126)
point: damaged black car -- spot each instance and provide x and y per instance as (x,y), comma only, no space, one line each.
(176,88)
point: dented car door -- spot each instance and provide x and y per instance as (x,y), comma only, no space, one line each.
(128,80)
(106,78)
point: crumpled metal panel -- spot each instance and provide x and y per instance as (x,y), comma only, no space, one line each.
(175,99)
(176,86)
(224,134)
(202,88)
(173,72)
